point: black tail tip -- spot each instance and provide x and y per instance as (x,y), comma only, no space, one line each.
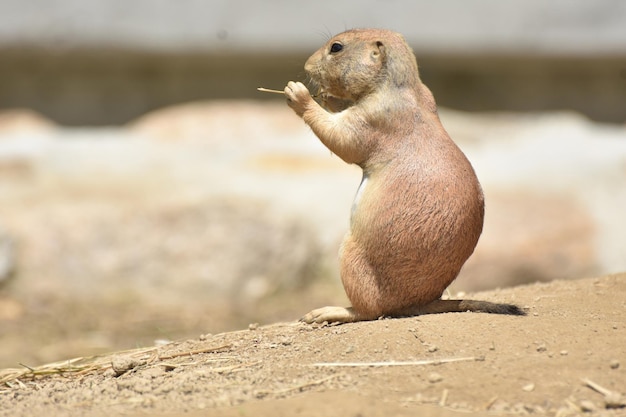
(511,309)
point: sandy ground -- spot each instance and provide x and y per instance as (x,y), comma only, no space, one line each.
(201,219)
(440,365)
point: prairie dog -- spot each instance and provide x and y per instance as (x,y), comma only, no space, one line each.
(418,212)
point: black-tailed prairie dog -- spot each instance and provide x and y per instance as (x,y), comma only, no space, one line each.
(418,212)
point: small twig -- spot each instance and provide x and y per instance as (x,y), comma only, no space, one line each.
(219,370)
(92,368)
(27,367)
(299,387)
(232,368)
(491,402)
(269,90)
(612,399)
(205,361)
(392,363)
(444,398)
(194,352)
(309,384)
(571,406)
(597,387)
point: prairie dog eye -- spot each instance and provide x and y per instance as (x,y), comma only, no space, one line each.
(335,47)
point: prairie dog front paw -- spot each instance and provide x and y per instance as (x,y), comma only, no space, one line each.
(298,97)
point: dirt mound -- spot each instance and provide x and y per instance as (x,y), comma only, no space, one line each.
(542,364)
(24,121)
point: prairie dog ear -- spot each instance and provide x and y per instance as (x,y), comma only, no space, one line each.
(378,53)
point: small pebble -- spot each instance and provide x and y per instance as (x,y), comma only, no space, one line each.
(614,364)
(434,377)
(433,348)
(541,348)
(529,387)
(169,367)
(162,342)
(564,353)
(123,364)
(253,326)
(614,400)
(587,406)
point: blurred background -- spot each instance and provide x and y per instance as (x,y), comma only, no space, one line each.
(149,192)
(107,62)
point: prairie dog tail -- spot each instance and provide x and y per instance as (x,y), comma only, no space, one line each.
(459,306)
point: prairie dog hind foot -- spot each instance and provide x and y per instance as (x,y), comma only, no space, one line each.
(330,314)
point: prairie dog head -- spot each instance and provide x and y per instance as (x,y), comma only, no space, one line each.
(358,62)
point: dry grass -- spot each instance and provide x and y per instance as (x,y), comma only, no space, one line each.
(99,363)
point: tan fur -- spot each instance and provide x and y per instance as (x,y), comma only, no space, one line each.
(418,213)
